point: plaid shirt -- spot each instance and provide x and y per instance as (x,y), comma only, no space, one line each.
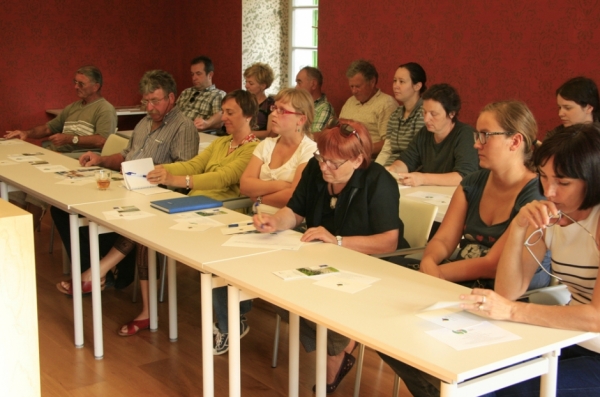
(204,103)
(323,114)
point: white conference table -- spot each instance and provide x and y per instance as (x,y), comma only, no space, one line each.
(383,317)
(194,249)
(25,177)
(405,192)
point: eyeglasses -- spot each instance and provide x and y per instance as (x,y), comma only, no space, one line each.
(154,102)
(79,84)
(482,137)
(280,110)
(538,234)
(347,130)
(194,96)
(330,164)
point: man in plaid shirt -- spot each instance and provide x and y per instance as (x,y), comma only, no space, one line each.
(311,80)
(202,102)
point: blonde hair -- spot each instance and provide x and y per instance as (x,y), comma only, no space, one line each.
(302,102)
(262,72)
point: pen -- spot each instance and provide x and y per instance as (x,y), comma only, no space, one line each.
(240,224)
(134,173)
(258,212)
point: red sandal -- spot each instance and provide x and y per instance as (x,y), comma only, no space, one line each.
(134,326)
(86,287)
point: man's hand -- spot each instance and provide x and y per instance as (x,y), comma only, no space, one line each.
(61,139)
(16,134)
(89,159)
(200,124)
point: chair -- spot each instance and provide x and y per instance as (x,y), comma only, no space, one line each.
(418,218)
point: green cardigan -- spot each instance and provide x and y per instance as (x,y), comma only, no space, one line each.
(215,174)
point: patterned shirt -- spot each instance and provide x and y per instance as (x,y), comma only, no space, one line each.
(204,103)
(176,139)
(400,132)
(323,114)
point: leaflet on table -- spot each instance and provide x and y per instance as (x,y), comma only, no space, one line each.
(287,240)
(24,158)
(314,272)
(197,221)
(51,168)
(79,173)
(8,142)
(432,198)
(348,282)
(463,330)
(128,212)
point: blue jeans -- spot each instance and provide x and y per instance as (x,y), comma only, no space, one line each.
(220,308)
(578,376)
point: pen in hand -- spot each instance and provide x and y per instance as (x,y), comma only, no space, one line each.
(240,224)
(130,173)
(257,211)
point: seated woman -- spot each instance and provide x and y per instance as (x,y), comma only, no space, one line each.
(346,200)
(568,225)
(487,200)
(442,152)
(407,119)
(270,178)
(578,103)
(259,77)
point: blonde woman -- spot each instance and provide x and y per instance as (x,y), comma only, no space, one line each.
(259,77)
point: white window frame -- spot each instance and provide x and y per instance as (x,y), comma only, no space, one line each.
(291,47)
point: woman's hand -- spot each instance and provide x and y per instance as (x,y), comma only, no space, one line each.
(487,303)
(411,179)
(318,233)
(428,266)
(265,223)
(159,176)
(536,214)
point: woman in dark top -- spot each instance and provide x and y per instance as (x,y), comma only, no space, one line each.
(578,103)
(346,200)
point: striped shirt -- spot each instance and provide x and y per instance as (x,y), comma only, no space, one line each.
(323,114)
(575,258)
(400,132)
(176,139)
(204,103)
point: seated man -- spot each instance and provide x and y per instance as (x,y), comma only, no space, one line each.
(368,104)
(311,80)
(83,124)
(173,138)
(202,102)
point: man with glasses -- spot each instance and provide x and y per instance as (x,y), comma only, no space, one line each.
(165,135)
(83,124)
(368,104)
(202,102)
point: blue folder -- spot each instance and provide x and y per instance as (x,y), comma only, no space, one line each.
(182,204)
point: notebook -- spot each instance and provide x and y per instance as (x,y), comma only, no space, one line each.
(135,171)
(182,204)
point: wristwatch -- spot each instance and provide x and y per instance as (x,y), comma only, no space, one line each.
(75,139)
(339,240)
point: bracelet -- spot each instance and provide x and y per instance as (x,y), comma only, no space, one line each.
(187,181)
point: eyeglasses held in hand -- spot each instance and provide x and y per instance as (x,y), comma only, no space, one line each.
(332,166)
(154,102)
(482,137)
(538,234)
(280,110)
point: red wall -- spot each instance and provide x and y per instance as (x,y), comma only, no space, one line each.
(44,42)
(506,49)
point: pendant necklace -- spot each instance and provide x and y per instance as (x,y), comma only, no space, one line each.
(334,198)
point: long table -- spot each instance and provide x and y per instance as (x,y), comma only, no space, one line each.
(383,317)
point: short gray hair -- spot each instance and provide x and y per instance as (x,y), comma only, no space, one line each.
(155,79)
(366,68)
(92,73)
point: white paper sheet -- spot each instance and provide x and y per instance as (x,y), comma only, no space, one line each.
(126,212)
(9,142)
(247,227)
(76,182)
(481,334)
(190,227)
(151,190)
(450,318)
(19,158)
(51,168)
(135,172)
(8,162)
(287,240)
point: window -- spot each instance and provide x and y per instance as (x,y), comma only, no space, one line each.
(304,17)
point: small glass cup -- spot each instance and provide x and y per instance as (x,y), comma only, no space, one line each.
(103,179)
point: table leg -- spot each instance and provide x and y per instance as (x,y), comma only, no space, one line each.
(321,360)
(152,296)
(172,276)
(76,280)
(294,355)
(448,389)
(233,312)
(208,379)
(548,380)
(4,191)
(96,293)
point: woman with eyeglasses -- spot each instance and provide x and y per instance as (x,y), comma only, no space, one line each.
(441,153)
(346,200)
(578,103)
(270,179)
(480,212)
(259,77)
(407,119)
(568,225)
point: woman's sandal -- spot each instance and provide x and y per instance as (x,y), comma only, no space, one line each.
(86,286)
(346,366)
(134,326)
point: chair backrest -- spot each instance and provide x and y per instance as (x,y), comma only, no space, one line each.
(418,217)
(114,144)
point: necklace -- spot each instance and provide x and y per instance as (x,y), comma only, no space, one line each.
(334,197)
(233,147)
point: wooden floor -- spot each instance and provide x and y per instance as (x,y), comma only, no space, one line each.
(148,364)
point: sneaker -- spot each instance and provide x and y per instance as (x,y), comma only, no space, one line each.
(222,338)
(216,325)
